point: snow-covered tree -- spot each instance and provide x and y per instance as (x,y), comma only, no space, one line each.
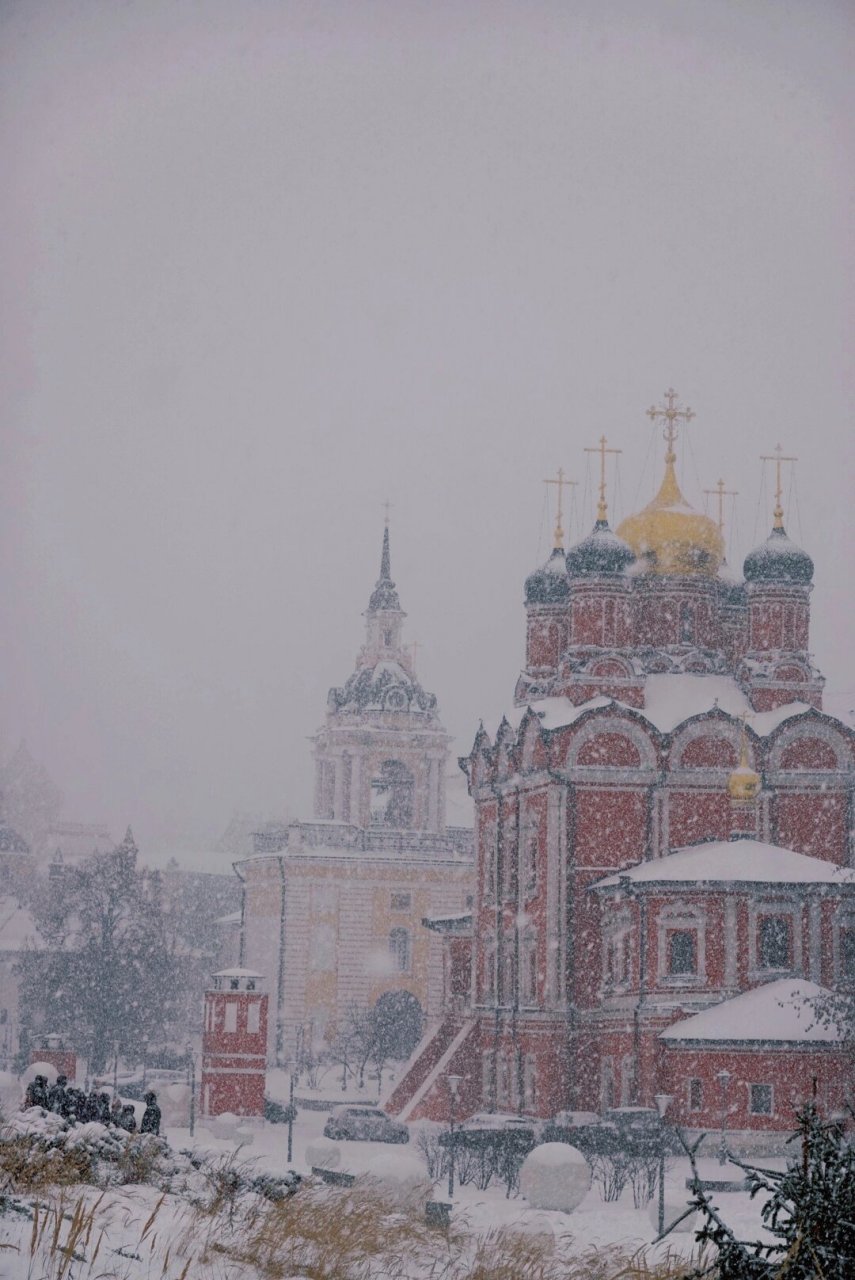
(109,973)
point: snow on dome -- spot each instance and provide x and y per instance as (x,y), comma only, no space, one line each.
(602,552)
(782,1011)
(740,861)
(548,584)
(778,559)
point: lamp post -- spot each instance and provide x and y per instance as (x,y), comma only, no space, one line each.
(453,1090)
(663,1102)
(191,1064)
(291,1068)
(144,1059)
(115,1068)
(723,1077)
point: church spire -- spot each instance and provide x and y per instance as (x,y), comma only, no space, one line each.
(384,597)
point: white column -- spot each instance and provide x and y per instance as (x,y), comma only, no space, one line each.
(338,793)
(815,941)
(356,805)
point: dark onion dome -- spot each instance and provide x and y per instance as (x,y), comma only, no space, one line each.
(549,585)
(778,560)
(602,552)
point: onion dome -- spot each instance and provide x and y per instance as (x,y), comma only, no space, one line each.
(384,596)
(778,560)
(602,552)
(670,537)
(548,584)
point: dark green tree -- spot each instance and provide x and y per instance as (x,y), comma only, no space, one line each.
(809,1212)
(108,972)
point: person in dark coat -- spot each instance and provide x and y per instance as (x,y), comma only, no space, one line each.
(128,1119)
(151,1115)
(39,1096)
(56,1095)
(91,1107)
(104,1108)
(116,1112)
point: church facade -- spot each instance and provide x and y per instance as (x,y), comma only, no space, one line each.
(664,818)
(332,907)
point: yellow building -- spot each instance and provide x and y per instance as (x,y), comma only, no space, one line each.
(333,907)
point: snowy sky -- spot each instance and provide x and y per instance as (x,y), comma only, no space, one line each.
(267,264)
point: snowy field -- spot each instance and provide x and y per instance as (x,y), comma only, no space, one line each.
(196,1229)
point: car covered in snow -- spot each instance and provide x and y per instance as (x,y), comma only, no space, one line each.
(485,1127)
(364,1124)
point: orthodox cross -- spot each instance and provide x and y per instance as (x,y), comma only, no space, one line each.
(562,483)
(671,415)
(414,647)
(778,457)
(602,451)
(721,493)
(387,507)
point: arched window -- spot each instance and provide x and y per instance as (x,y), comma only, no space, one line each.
(400,949)
(392,796)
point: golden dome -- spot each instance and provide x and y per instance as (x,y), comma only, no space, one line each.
(670,537)
(743,783)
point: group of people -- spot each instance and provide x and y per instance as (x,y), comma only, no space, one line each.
(75,1105)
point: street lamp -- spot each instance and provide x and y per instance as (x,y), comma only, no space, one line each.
(115,1068)
(724,1078)
(144,1059)
(191,1064)
(291,1068)
(663,1102)
(454,1083)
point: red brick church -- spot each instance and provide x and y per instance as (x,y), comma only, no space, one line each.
(664,841)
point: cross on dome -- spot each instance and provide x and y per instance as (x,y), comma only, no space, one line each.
(602,506)
(671,416)
(562,482)
(778,457)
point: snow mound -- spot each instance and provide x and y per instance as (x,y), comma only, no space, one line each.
(35,1122)
(555,1176)
(323,1154)
(400,1178)
(46,1069)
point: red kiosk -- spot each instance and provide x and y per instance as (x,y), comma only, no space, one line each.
(234,1044)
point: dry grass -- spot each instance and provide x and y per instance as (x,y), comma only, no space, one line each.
(27,1167)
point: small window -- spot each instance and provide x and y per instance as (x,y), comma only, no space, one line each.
(696,1095)
(470,899)
(233,984)
(250,984)
(681,953)
(402,901)
(530,863)
(253,1017)
(775,942)
(387,638)
(760,1099)
(230,1018)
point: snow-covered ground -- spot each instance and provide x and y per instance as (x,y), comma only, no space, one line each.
(176,1240)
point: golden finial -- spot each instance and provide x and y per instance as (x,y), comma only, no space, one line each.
(562,483)
(602,508)
(744,782)
(778,457)
(721,493)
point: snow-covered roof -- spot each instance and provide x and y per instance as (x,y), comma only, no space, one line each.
(238,973)
(782,1011)
(669,700)
(729,861)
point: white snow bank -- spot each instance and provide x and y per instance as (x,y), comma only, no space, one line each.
(781,1011)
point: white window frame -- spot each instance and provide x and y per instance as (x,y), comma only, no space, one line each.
(681,917)
(775,907)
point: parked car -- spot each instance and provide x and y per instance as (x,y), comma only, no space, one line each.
(569,1126)
(364,1124)
(488,1126)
